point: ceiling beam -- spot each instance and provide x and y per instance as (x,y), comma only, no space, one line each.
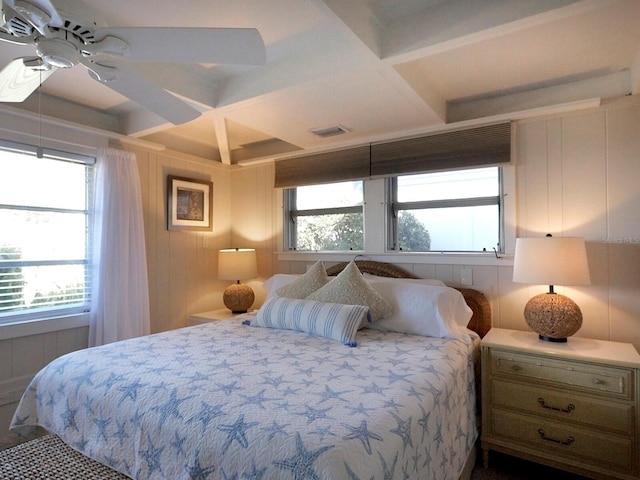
(612,85)
(452,25)
(222,135)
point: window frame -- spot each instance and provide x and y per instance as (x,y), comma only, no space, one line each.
(394,206)
(48,312)
(292,213)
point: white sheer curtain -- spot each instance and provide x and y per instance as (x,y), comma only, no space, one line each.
(120,293)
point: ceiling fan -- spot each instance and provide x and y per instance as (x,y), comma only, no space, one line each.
(65,35)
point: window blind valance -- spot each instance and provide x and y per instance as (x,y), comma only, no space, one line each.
(326,167)
(474,147)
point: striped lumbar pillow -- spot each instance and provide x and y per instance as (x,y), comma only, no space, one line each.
(330,320)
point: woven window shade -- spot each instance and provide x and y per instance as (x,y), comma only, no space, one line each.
(328,167)
(476,147)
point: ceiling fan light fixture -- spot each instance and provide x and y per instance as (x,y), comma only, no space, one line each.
(58,52)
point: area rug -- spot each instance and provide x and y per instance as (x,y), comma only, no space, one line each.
(48,458)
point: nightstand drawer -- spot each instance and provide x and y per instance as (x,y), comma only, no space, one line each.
(559,440)
(586,377)
(561,406)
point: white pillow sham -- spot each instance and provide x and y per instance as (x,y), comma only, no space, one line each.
(329,320)
(427,310)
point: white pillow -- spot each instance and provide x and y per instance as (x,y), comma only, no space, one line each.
(427,310)
(349,287)
(308,283)
(278,280)
(423,281)
(330,320)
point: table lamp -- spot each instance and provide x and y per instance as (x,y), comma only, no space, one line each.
(552,261)
(237,264)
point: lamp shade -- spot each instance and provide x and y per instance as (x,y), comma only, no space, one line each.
(551,261)
(237,264)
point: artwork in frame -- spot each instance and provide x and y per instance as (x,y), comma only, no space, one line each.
(189,204)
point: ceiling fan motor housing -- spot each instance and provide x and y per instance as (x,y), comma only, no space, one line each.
(15,24)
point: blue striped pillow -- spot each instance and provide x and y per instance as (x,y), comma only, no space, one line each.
(330,320)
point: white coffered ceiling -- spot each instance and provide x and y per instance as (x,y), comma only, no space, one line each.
(380,68)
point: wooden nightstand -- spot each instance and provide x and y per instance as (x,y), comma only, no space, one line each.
(211,316)
(573,405)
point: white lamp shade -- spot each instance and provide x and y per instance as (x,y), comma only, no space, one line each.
(551,261)
(237,264)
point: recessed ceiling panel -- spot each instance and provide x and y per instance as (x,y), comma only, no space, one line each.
(365,102)
(551,52)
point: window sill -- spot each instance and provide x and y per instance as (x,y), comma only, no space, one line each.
(43,325)
(438,258)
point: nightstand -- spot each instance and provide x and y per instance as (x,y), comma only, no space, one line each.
(573,405)
(211,316)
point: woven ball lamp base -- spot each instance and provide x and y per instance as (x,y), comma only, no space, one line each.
(238,297)
(553,317)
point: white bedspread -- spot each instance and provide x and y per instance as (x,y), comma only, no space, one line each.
(229,401)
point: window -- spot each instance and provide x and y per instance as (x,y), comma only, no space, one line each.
(325,217)
(45,226)
(450,211)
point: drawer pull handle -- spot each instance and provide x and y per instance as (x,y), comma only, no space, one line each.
(597,381)
(543,436)
(571,407)
(516,368)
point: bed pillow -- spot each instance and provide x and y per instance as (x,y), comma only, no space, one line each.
(329,320)
(427,310)
(306,284)
(349,287)
(423,281)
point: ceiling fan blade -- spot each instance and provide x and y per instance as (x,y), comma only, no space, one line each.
(239,46)
(142,92)
(35,15)
(18,81)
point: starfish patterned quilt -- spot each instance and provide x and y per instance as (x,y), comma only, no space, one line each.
(229,401)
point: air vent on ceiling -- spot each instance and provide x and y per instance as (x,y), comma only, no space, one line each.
(330,131)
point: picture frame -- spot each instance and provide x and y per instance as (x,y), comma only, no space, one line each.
(189,204)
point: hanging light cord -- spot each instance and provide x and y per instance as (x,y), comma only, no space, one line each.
(39,151)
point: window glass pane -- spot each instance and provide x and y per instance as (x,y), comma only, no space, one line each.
(43,235)
(41,182)
(44,232)
(329,195)
(330,232)
(482,182)
(449,229)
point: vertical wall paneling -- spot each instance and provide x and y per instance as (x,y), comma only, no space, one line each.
(584,214)
(622,238)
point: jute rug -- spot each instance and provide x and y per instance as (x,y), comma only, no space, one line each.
(48,458)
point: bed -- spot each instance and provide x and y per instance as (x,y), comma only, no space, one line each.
(233,400)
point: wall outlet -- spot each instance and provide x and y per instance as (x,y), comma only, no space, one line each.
(466,276)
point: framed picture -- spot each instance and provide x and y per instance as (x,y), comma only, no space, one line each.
(189,204)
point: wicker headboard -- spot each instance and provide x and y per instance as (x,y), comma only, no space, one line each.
(480,320)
